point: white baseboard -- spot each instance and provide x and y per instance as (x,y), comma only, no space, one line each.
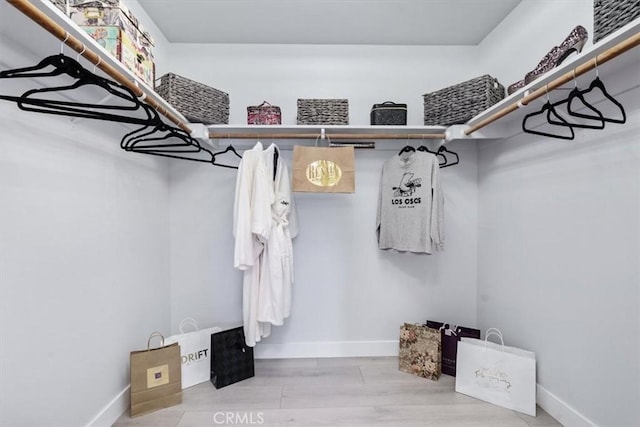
(110,413)
(265,350)
(560,410)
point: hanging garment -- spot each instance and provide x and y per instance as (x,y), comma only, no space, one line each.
(251,227)
(265,221)
(410,204)
(276,280)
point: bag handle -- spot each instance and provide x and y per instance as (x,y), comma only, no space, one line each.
(188,321)
(496,332)
(264,103)
(323,136)
(446,327)
(155,334)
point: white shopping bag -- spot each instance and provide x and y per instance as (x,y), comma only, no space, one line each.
(195,349)
(495,373)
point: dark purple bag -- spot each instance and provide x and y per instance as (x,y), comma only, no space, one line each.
(450,338)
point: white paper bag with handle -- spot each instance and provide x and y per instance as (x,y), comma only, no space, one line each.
(195,349)
(495,373)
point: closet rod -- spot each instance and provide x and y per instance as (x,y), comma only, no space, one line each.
(59,32)
(335,136)
(598,60)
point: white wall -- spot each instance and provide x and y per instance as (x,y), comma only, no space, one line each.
(349,297)
(559,240)
(84,254)
(559,256)
(364,75)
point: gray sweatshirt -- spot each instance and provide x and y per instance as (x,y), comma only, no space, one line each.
(410,204)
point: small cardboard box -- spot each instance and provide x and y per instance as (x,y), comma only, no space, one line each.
(118,43)
(111,13)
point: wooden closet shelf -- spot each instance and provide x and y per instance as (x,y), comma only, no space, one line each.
(55,22)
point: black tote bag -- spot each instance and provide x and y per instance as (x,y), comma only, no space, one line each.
(231,358)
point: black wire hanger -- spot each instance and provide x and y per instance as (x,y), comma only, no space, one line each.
(165,140)
(229,148)
(165,145)
(61,64)
(407,148)
(573,95)
(155,134)
(598,84)
(444,149)
(547,110)
(424,148)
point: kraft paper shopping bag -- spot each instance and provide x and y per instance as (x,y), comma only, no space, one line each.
(323,169)
(155,377)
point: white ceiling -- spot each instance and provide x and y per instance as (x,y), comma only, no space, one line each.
(379,22)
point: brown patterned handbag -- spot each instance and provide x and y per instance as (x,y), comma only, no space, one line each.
(420,351)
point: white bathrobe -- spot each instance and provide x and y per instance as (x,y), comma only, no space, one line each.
(276,280)
(251,226)
(265,221)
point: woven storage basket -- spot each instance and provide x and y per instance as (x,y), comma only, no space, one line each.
(458,103)
(609,15)
(198,102)
(323,111)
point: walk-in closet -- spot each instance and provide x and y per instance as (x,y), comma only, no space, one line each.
(121,213)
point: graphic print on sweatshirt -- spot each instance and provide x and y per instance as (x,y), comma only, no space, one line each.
(408,186)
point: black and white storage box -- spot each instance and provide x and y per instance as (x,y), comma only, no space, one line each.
(389,113)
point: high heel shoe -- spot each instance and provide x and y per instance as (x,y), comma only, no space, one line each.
(574,43)
(547,64)
(516,86)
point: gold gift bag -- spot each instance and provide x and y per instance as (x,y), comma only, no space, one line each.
(323,169)
(156,378)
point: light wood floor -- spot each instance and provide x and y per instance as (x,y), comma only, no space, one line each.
(334,392)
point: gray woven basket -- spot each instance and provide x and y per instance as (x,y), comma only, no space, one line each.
(323,111)
(198,102)
(609,15)
(458,103)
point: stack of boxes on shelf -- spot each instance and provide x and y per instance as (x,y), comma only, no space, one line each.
(117,30)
